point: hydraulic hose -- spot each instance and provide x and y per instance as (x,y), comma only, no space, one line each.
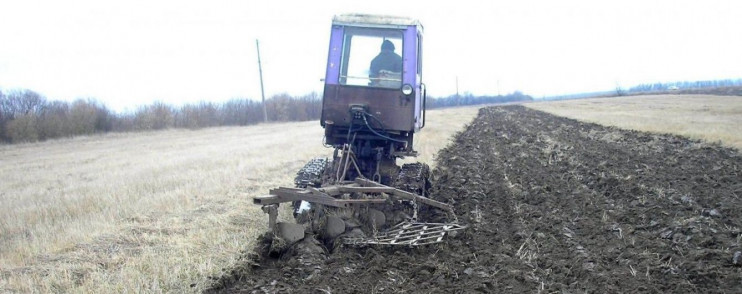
(379,134)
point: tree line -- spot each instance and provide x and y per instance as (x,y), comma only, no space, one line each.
(469,99)
(27,116)
(685,85)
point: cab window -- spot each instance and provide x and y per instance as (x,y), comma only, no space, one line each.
(372,57)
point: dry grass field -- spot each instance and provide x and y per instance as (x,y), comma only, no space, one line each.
(703,117)
(152,212)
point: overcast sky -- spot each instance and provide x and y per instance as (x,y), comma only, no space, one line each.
(130,53)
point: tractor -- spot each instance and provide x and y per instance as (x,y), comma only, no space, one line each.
(373,104)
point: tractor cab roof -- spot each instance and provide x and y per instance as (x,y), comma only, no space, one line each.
(370,20)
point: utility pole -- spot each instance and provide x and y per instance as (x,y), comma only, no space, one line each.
(457,87)
(262,91)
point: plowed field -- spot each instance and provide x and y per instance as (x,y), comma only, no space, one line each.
(552,205)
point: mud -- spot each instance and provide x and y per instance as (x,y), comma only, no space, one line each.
(553,205)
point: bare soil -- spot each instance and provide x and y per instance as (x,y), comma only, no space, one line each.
(553,205)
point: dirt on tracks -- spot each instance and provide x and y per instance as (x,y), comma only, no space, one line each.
(553,205)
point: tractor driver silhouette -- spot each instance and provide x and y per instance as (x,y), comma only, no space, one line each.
(386,68)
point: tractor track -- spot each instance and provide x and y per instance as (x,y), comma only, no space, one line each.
(553,205)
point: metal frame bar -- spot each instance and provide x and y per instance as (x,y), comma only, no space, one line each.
(325,195)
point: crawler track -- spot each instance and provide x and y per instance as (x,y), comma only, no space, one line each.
(553,205)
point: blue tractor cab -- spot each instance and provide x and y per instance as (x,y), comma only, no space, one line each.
(374,97)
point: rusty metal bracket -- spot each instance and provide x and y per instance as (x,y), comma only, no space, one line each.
(404,194)
(272,211)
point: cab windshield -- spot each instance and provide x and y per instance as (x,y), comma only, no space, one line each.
(371,57)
